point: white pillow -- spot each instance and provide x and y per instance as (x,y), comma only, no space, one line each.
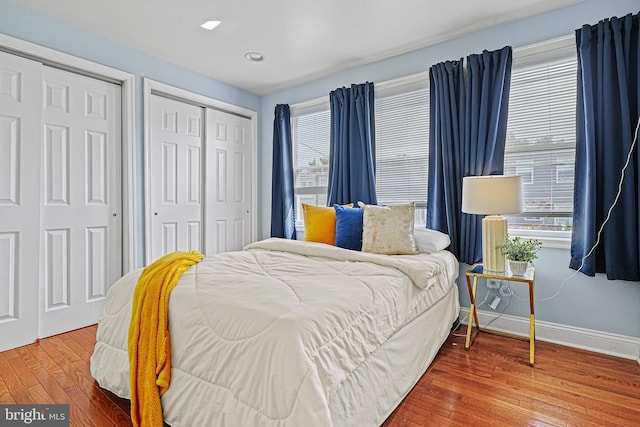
(429,241)
(388,229)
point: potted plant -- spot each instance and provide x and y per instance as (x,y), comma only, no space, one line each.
(520,252)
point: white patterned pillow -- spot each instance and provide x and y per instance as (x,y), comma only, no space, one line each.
(389,229)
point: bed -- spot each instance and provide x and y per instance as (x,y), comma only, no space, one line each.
(291,333)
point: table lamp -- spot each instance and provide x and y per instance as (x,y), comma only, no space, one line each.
(492,195)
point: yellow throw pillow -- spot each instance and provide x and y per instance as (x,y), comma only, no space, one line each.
(320,223)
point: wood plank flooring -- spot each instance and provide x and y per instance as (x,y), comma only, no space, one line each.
(489,385)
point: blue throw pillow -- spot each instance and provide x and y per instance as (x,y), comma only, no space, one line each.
(348,227)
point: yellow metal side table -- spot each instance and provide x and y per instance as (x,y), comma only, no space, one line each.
(476,272)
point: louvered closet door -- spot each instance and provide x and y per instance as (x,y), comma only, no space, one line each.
(175,186)
(81,198)
(229,191)
(19,199)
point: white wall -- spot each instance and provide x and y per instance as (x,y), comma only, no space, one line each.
(591,303)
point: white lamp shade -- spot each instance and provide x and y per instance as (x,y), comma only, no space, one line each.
(492,194)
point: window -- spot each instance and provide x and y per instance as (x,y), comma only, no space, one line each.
(310,130)
(525,170)
(402,142)
(564,172)
(402,146)
(541,136)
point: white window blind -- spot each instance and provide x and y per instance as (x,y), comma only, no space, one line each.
(541,137)
(402,142)
(310,130)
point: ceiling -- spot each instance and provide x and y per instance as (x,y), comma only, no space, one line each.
(301,40)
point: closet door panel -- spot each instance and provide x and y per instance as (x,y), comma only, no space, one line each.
(19,199)
(81,208)
(229,178)
(175,177)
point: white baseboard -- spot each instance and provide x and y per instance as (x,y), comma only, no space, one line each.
(586,339)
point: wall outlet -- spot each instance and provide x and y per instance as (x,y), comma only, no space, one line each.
(493,284)
(495,302)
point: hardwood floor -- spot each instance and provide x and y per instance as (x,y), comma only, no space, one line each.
(490,385)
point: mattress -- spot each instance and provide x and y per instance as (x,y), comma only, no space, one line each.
(290,333)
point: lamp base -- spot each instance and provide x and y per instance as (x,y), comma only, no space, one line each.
(494,231)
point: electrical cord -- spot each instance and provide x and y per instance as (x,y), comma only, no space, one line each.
(599,235)
(460,335)
(505,291)
(466,318)
(502,312)
(492,320)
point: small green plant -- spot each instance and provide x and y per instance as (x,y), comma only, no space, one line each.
(518,249)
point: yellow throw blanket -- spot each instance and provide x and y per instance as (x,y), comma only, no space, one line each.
(149,343)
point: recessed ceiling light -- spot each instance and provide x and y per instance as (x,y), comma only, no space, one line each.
(210,25)
(254,56)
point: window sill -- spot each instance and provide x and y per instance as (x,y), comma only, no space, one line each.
(553,239)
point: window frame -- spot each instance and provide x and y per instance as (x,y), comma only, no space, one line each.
(313,106)
(398,86)
(525,57)
(387,88)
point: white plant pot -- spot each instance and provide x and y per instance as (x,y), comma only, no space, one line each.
(518,268)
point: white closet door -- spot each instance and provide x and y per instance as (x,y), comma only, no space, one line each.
(19,199)
(81,210)
(229,178)
(175,177)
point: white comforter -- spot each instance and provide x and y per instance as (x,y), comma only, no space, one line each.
(265,336)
